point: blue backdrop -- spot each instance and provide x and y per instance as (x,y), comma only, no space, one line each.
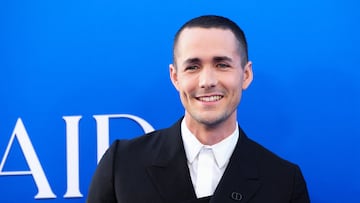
(74,73)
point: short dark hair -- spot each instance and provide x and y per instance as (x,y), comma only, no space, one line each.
(214,21)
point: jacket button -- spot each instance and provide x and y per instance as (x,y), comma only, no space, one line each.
(236,196)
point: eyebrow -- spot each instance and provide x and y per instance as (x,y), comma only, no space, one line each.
(222,58)
(215,59)
(191,60)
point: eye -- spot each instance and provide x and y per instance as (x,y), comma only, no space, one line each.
(222,65)
(191,68)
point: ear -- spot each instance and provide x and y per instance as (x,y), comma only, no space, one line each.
(174,76)
(248,75)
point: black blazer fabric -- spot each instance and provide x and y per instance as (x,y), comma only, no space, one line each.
(153,169)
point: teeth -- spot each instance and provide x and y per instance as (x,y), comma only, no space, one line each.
(210,99)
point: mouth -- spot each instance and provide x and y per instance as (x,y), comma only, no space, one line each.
(212,98)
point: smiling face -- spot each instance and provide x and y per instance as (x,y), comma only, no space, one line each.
(209,76)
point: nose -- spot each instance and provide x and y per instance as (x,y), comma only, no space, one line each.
(207,78)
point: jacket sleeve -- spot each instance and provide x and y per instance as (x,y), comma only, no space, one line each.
(102,185)
(300,192)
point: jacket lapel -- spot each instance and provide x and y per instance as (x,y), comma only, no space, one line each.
(170,174)
(169,171)
(240,180)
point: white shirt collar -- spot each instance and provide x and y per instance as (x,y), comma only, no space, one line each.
(222,150)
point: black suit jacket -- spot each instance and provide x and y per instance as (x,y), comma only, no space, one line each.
(153,168)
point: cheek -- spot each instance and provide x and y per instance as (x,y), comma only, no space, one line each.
(234,82)
(184,91)
(187,85)
(235,88)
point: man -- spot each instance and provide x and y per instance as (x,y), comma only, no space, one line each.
(205,156)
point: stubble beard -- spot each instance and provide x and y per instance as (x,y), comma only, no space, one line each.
(210,123)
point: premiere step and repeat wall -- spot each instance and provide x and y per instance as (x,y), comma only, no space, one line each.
(76,75)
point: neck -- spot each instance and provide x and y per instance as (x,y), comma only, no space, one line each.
(211,134)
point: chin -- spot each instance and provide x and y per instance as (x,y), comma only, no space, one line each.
(211,121)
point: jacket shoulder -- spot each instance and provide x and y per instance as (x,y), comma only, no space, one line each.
(143,144)
(268,157)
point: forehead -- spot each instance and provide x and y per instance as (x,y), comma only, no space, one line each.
(195,42)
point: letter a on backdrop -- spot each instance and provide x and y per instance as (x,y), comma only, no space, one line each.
(44,190)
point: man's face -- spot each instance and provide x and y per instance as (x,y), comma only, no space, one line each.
(208,75)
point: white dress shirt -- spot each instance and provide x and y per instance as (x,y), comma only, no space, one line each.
(222,152)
